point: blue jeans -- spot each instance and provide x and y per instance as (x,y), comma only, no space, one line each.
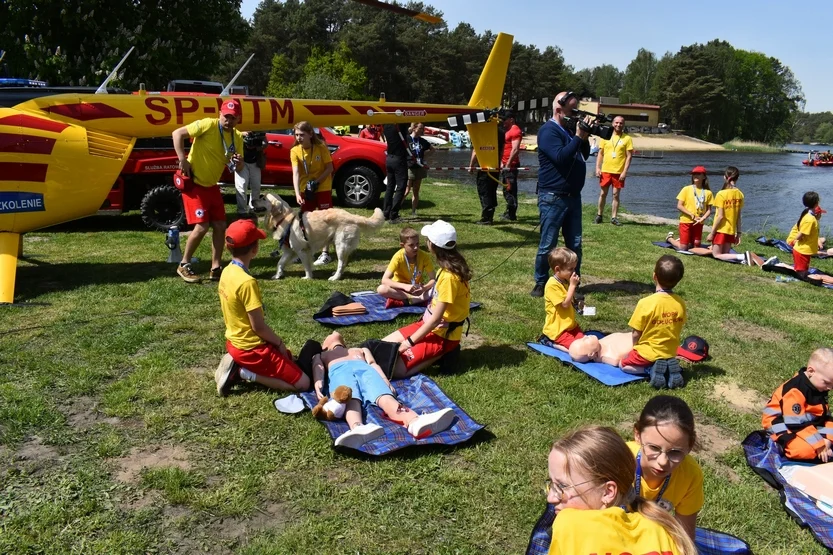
(557,214)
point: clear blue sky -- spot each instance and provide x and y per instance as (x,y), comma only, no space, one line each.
(597,32)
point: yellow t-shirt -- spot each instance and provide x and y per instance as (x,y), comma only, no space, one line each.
(586,532)
(450,289)
(315,159)
(685,488)
(809,243)
(731,201)
(696,201)
(405,272)
(615,153)
(239,294)
(559,319)
(660,318)
(208,155)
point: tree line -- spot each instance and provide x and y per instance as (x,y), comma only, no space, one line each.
(343,49)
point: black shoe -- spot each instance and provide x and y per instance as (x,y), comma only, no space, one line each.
(537,291)
(483,222)
(615,221)
(597,219)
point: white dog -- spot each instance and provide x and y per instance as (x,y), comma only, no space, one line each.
(320,228)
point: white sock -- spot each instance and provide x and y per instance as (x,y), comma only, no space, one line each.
(247,374)
(739,257)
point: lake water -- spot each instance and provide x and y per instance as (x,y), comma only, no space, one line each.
(772,184)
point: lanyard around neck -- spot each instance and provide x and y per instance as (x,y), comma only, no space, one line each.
(410,271)
(637,486)
(227,150)
(240,265)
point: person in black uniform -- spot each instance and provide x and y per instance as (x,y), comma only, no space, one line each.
(488,181)
(397,169)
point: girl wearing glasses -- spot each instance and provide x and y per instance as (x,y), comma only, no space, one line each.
(665,471)
(591,475)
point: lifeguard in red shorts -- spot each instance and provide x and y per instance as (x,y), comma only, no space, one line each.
(612,164)
(217,145)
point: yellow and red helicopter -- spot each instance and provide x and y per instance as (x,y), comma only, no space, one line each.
(60,154)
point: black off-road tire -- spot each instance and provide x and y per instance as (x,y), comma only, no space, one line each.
(358,187)
(162,208)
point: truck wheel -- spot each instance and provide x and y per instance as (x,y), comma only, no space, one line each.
(162,208)
(358,187)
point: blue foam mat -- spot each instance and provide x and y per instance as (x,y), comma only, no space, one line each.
(376,311)
(764,457)
(421,394)
(605,373)
(709,542)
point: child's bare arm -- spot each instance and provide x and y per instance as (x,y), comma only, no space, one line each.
(636,334)
(262,329)
(681,207)
(318,375)
(387,279)
(571,290)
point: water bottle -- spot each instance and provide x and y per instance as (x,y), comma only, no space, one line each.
(784,279)
(172,242)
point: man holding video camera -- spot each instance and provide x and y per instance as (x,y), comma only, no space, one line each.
(562,153)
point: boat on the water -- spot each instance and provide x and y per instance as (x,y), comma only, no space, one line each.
(826,163)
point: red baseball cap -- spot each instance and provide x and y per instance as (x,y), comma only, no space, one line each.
(694,348)
(699,169)
(231,107)
(243,232)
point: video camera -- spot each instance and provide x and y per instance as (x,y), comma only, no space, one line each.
(576,117)
(254,140)
(595,128)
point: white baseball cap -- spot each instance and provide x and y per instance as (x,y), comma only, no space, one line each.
(441,233)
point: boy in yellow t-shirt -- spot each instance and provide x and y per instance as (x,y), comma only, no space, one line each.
(409,278)
(255,352)
(657,320)
(560,326)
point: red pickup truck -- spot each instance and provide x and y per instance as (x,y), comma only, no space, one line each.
(146,180)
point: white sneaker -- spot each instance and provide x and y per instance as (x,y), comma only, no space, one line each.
(323,259)
(433,422)
(359,435)
(772,260)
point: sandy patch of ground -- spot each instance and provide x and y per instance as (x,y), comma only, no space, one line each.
(739,398)
(273,516)
(715,442)
(34,456)
(443,184)
(752,332)
(83,413)
(669,142)
(131,465)
(473,341)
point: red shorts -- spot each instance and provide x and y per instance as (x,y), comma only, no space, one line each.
(612,179)
(322,201)
(724,239)
(635,359)
(430,346)
(801,262)
(691,234)
(568,336)
(267,361)
(203,204)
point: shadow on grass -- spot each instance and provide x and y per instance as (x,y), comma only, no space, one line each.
(47,278)
(627,286)
(699,371)
(492,357)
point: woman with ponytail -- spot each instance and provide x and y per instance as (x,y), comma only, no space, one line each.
(591,472)
(804,236)
(728,203)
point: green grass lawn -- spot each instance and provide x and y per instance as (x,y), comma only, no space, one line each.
(113,439)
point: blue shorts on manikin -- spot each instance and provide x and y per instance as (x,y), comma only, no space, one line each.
(362,378)
(558,214)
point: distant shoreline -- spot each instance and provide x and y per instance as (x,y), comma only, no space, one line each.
(667,142)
